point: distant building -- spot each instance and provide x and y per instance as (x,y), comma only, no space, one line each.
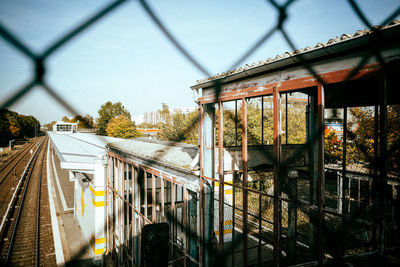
(62,127)
(183,110)
(154,117)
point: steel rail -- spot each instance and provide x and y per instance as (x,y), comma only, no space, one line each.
(23,153)
(13,197)
(28,176)
(37,261)
(16,156)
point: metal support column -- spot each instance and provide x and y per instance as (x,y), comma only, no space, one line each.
(208,164)
(192,225)
(292,219)
(277,162)
(221,176)
(201,193)
(153,198)
(342,188)
(321,175)
(244,160)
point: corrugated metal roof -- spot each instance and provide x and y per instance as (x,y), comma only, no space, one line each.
(171,153)
(79,150)
(331,42)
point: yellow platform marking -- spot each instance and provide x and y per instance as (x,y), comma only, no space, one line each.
(226,183)
(97,251)
(97,241)
(226,231)
(98,193)
(228,222)
(82,204)
(228,192)
(98,203)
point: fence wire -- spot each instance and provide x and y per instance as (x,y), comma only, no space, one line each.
(305,214)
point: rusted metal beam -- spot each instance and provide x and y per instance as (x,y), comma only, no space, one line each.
(193,232)
(108,206)
(209,171)
(262,120)
(321,175)
(133,234)
(162,199)
(344,163)
(236,124)
(277,162)
(244,160)
(153,198)
(286,119)
(233,216)
(221,175)
(139,220)
(185,223)
(145,193)
(173,219)
(120,206)
(260,89)
(259,253)
(126,200)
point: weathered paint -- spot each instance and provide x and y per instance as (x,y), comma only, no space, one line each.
(244,163)
(277,162)
(265,86)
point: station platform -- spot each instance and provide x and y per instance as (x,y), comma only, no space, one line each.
(76,168)
(73,249)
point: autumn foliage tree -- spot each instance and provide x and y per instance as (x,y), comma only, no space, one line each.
(362,125)
(86,122)
(178,127)
(107,112)
(122,127)
(16,126)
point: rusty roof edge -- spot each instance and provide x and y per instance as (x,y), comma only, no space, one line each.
(149,161)
(192,180)
(333,46)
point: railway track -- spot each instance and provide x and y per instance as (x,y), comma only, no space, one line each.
(25,227)
(12,170)
(6,169)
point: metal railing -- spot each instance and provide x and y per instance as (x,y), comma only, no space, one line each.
(40,67)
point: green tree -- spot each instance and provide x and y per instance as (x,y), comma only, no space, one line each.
(86,122)
(107,112)
(361,135)
(50,125)
(5,133)
(146,125)
(29,125)
(122,127)
(178,127)
(65,119)
(14,126)
(254,116)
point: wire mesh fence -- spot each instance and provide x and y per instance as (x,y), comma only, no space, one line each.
(294,206)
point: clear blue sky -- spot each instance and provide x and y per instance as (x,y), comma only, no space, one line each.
(124,57)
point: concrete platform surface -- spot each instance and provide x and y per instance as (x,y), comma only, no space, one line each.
(75,249)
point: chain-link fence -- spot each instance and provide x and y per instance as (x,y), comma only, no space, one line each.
(285,203)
